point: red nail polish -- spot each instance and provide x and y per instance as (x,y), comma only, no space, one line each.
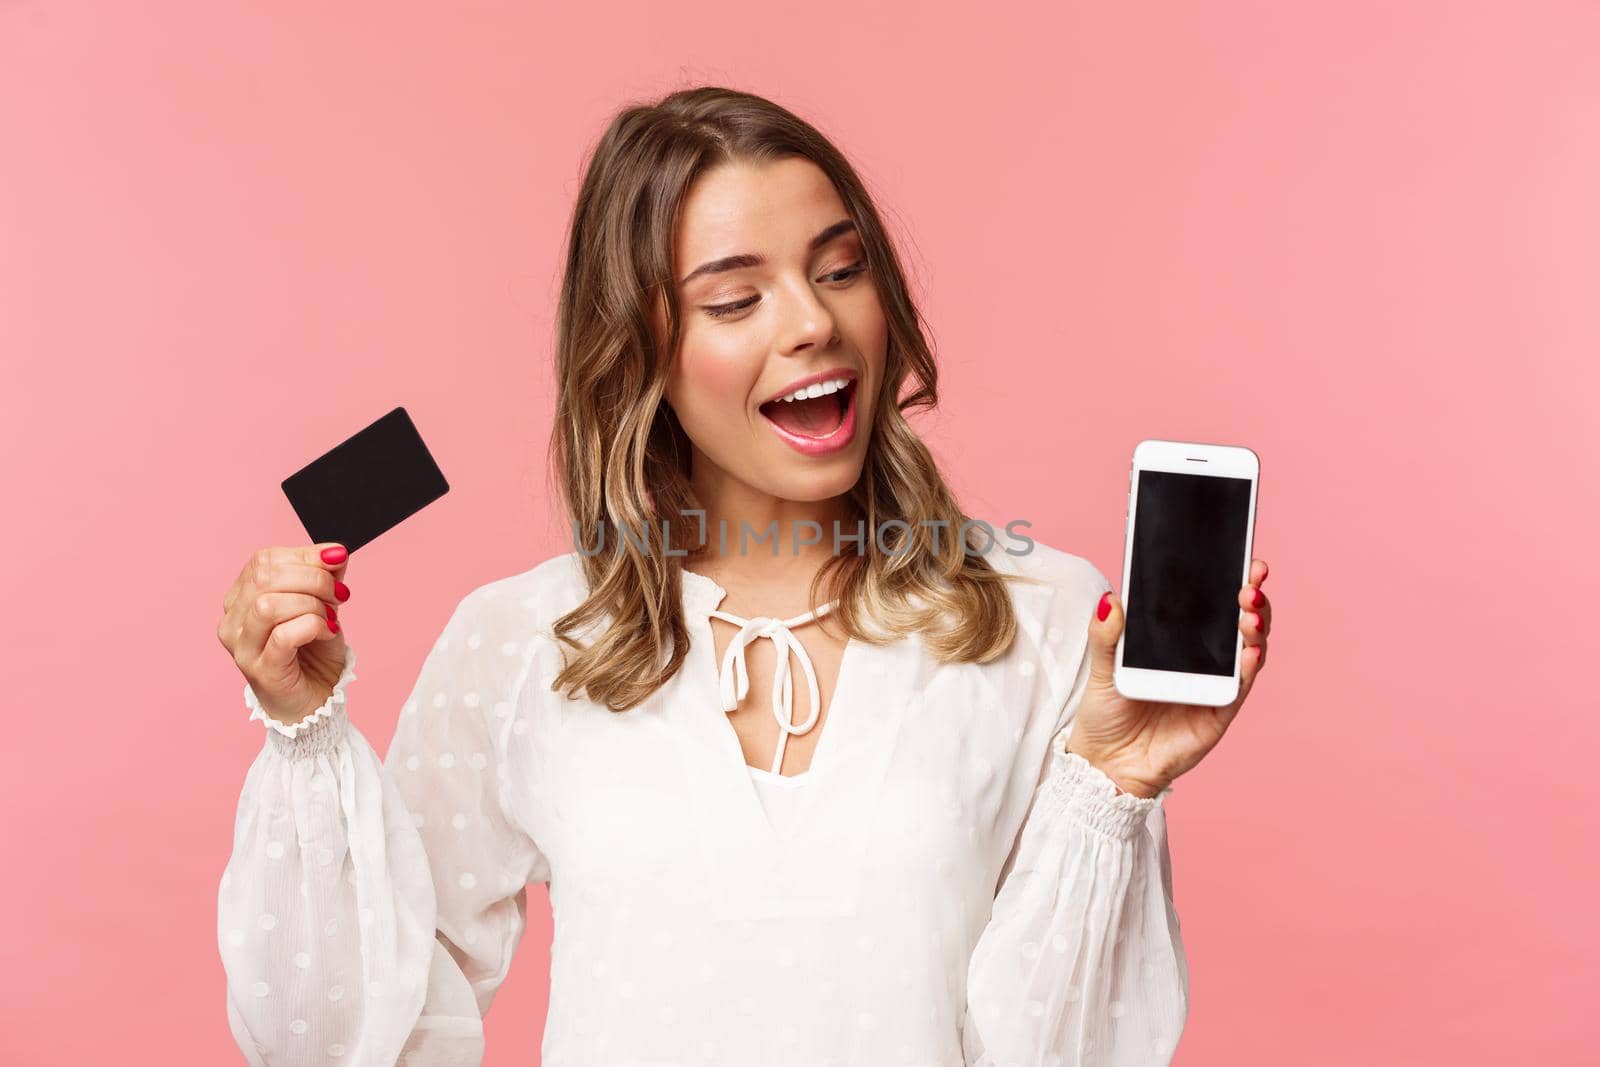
(1255,599)
(328,610)
(341,591)
(1105,607)
(333,625)
(334,555)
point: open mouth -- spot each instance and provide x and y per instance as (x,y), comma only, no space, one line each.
(814,418)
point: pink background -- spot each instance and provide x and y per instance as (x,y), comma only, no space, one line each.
(1363,239)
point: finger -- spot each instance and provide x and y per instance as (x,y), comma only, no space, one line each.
(1103,636)
(286,640)
(1258,571)
(1254,625)
(336,571)
(1250,663)
(1252,599)
(337,560)
(268,611)
(320,582)
(1250,626)
(260,572)
(295,577)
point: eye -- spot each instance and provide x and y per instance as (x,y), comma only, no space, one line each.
(718,311)
(844,274)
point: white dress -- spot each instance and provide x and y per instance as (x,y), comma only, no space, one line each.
(943,887)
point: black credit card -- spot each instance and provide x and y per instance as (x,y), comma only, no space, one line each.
(366,484)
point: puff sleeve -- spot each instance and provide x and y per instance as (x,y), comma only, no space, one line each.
(1081,963)
(370,910)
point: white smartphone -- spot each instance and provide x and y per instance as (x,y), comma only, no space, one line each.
(1186,554)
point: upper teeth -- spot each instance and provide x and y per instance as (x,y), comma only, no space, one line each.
(819,389)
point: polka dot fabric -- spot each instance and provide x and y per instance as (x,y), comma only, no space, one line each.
(944,887)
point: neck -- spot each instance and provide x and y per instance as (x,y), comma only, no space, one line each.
(757,539)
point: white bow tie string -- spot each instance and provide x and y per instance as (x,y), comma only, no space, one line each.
(735,675)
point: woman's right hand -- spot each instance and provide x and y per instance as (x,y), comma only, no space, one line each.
(279,622)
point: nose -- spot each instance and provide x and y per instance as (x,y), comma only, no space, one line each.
(807,322)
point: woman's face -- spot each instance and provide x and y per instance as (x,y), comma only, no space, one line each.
(774,293)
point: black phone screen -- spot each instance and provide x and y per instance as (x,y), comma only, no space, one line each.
(1186,572)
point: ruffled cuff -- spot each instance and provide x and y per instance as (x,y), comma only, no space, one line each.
(318,732)
(1080,790)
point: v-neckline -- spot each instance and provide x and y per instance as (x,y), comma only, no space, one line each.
(702,596)
(813,866)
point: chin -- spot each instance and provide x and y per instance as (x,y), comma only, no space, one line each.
(813,481)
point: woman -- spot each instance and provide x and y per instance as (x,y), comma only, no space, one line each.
(945,847)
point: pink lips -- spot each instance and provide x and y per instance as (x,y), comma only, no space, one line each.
(822,446)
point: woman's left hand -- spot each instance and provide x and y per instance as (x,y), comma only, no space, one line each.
(1141,745)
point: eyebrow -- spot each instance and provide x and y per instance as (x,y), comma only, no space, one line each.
(748,259)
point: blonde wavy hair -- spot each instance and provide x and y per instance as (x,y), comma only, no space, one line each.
(621,459)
